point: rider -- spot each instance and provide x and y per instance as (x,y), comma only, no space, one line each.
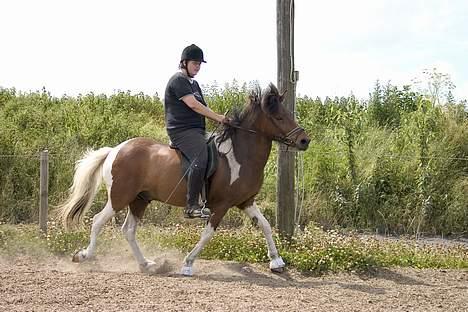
(185,112)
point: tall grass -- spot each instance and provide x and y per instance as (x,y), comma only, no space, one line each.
(393,164)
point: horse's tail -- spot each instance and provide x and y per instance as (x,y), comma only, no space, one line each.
(86,181)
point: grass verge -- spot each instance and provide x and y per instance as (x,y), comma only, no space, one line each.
(312,251)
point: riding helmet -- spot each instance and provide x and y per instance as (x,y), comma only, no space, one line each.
(192,53)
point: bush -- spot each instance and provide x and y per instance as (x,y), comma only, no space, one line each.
(395,164)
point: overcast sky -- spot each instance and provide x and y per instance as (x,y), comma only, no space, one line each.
(341,47)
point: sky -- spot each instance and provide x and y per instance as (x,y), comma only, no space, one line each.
(341,47)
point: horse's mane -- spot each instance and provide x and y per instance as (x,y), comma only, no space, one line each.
(248,114)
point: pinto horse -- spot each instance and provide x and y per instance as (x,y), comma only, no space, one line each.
(140,170)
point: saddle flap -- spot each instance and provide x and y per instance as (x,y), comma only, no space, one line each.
(212,159)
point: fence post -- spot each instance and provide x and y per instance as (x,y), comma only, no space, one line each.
(287,78)
(44,191)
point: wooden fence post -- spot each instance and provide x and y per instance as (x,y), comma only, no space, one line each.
(287,77)
(44,191)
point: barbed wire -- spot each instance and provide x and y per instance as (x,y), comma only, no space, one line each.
(19,156)
(38,155)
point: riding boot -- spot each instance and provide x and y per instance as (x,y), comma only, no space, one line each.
(194,186)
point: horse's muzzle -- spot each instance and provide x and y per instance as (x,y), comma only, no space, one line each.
(303,143)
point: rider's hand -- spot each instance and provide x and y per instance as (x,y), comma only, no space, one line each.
(226,121)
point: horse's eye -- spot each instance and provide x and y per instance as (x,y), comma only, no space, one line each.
(278,118)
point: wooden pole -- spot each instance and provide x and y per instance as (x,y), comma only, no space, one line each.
(286,81)
(44,191)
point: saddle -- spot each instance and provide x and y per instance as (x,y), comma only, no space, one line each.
(210,169)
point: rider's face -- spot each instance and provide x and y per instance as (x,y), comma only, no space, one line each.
(193,67)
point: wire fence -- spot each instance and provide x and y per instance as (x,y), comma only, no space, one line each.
(20,181)
(390,156)
(28,183)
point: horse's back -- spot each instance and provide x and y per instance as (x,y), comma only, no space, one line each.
(142,152)
(143,164)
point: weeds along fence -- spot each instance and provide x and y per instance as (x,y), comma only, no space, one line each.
(33,185)
(394,164)
(29,183)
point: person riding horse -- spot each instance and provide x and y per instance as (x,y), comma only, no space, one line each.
(185,112)
(140,170)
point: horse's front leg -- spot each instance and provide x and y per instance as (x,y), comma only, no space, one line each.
(206,236)
(276,262)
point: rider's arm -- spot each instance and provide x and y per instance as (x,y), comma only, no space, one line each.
(201,109)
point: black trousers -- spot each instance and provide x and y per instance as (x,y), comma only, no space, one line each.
(192,143)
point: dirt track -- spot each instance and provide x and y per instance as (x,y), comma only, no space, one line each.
(112,283)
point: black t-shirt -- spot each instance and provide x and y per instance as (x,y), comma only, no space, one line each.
(178,114)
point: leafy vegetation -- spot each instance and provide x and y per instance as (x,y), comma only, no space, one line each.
(396,163)
(312,251)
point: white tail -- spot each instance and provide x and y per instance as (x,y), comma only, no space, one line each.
(86,181)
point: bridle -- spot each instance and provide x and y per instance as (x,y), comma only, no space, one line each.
(287,139)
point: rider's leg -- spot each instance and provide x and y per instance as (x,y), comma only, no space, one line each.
(194,187)
(192,144)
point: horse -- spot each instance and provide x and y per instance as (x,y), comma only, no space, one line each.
(140,170)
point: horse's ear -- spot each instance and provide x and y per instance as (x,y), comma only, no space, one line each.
(252,99)
(281,97)
(271,104)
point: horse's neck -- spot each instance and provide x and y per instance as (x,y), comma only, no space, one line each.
(251,149)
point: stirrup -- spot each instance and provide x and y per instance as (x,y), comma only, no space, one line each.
(205,211)
(197,212)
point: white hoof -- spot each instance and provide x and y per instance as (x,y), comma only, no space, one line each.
(148,267)
(186,271)
(158,266)
(277,265)
(80,256)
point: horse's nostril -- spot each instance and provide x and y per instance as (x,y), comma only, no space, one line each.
(305,142)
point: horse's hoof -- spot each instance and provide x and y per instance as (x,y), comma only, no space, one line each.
(156,267)
(277,265)
(148,267)
(186,271)
(78,257)
(278,270)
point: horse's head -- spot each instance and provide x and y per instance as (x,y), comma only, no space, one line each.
(276,121)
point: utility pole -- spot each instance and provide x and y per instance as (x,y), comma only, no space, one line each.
(286,81)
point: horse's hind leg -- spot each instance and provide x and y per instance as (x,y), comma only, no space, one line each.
(129,227)
(276,264)
(98,221)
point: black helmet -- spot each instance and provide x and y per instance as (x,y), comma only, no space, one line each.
(192,53)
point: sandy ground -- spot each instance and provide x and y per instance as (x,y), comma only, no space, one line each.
(112,283)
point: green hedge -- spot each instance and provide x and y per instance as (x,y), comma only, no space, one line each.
(393,164)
